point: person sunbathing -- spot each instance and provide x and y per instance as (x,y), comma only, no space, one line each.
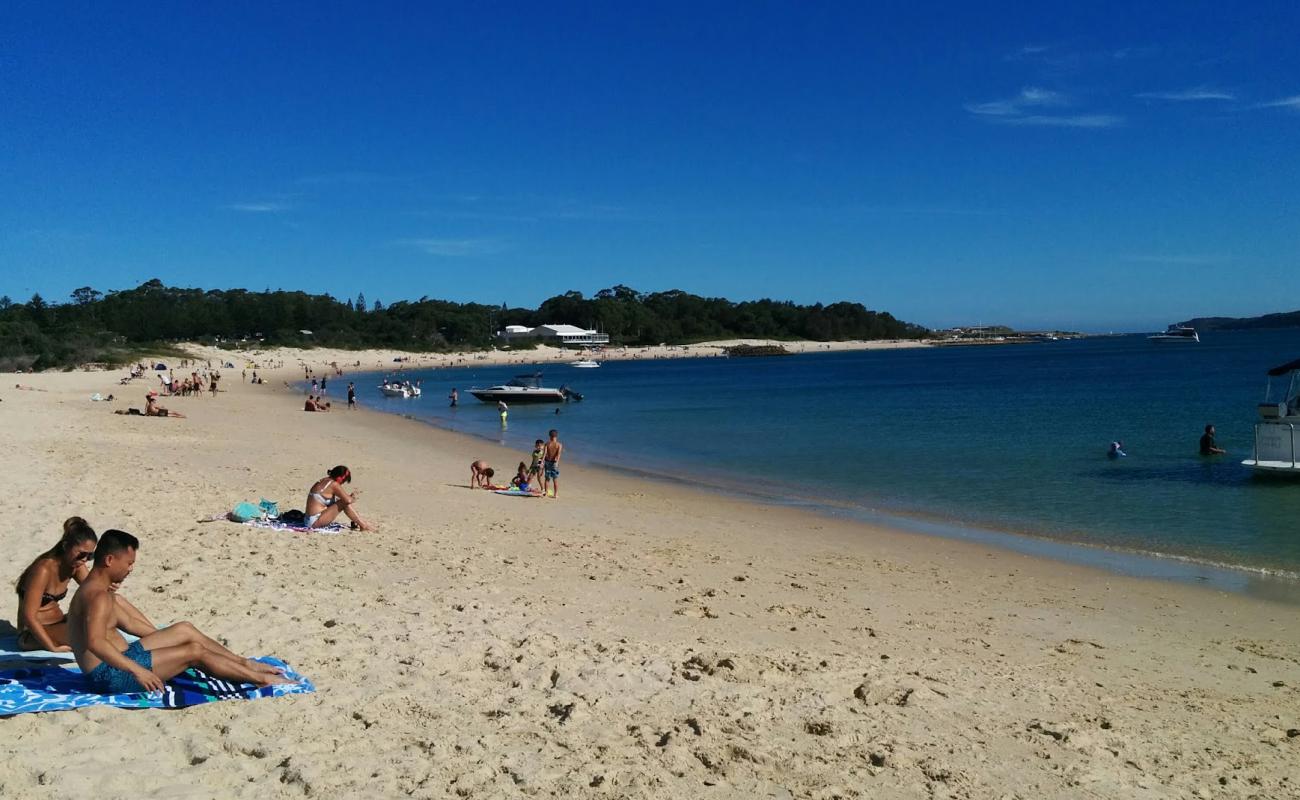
(41,622)
(111,666)
(152,409)
(327,498)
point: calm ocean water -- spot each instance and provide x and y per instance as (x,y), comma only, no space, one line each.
(1008,438)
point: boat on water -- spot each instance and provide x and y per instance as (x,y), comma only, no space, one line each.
(1176,333)
(402,389)
(525,389)
(1275,432)
(585,363)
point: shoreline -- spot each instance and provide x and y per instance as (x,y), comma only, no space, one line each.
(622,641)
(1265,582)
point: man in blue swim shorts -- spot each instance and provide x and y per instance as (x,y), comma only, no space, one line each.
(551,465)
(113,667)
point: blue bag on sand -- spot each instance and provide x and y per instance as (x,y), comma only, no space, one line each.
(270,508)
(246,511)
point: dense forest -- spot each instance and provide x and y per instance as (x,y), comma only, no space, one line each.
(115,327)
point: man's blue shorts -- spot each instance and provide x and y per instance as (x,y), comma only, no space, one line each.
(107,679)
(552,471)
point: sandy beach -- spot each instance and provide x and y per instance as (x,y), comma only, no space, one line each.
(630,639)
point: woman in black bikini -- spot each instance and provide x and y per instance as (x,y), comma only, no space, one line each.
(42,624)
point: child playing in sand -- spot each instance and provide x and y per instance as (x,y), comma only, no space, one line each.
(480,476)
(520,480)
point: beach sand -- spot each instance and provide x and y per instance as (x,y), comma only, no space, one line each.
(630,639)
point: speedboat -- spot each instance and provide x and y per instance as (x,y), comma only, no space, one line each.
(1176,333)
(525,389)
(395,389)
(1275,432)
(585,363)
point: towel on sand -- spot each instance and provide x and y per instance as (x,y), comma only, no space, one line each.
(44,688)
(275,525)
(514,492)
(11,656)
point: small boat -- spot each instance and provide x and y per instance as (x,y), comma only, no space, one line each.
(585,363)
(395,389)
(1275,432)
(525,389)
(1176,333)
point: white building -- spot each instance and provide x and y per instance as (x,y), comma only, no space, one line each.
(562,335)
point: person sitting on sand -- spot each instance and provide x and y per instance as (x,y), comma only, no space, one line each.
(520,480)
(41,622)
(113,667)
(314,404)
(328,497)
(152,409)
(480,476)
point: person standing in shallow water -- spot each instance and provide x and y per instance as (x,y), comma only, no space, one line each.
(1208,446)
(352,395)
(453,397)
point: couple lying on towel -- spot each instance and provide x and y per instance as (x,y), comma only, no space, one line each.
(98,613)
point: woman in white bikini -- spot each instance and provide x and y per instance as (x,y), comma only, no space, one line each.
(327,498)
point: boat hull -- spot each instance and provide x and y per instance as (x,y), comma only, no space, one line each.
(524,396)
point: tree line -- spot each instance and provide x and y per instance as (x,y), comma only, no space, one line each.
(114,327)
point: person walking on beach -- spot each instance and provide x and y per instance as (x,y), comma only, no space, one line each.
(1208,445)
(551,465)
(352,395)
(453,397)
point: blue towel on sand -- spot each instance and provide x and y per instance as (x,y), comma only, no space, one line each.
(25,691)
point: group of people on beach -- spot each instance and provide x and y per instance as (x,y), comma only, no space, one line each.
(99,614)
(540,476)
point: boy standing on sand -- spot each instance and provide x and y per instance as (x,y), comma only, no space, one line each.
(551,465)
(535,468)
(113,667)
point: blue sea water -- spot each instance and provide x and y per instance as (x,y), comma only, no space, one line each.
(1008,438)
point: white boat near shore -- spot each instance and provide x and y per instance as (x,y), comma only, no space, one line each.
(1275,432)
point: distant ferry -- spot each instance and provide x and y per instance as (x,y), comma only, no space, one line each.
(1275,440)
(1176,333)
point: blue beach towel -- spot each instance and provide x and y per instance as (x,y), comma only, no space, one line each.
(39,689)
(514,492)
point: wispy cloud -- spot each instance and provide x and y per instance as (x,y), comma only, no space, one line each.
(455,248)
(1176,259)
(260,208)
(1029,107)
(1285,102)
(1189,95)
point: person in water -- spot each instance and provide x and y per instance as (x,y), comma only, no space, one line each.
(1116,451)
(1208,446)
(113,667)
(454,397)
(41,622)
(503,410)
(328,498)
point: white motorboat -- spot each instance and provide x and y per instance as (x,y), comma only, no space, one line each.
(585,363)
(395,389)
(1275,433)
(1176,333)
(525,389)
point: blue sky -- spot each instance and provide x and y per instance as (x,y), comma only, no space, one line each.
(1117,166)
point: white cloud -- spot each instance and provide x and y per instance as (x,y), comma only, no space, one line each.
(1285,102)
(1189,95)
(259,208)
(454,248)
(1027,108)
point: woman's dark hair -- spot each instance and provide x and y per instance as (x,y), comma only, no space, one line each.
(340,472)
(76,531)
(114,542)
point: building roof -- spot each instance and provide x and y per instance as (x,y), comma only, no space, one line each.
(561,330)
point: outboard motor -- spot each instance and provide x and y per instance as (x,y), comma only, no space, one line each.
(569,394)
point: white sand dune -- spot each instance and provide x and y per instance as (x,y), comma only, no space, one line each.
(630,639)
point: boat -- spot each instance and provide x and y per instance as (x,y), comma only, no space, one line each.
(585,363)
(403,389)
(1176,333)
(525,389)
(1275,431)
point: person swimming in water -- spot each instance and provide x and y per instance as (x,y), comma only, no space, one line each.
(1116,450)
